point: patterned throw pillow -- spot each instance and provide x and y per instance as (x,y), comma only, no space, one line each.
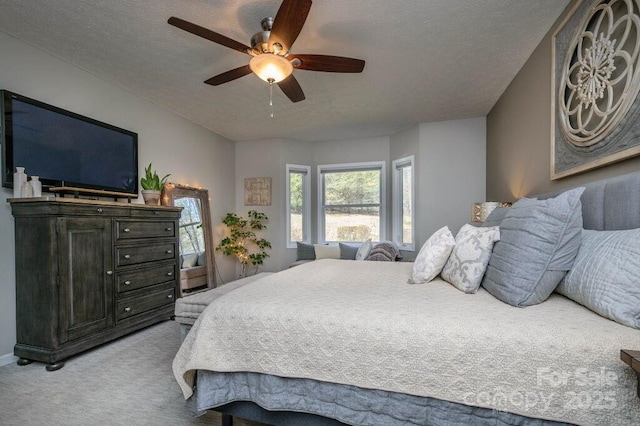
(385,252)
(470,257)
(305,252)
(432,256)
(364,250)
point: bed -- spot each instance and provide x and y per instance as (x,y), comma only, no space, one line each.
(334,341)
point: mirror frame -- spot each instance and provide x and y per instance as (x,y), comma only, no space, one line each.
(172,191)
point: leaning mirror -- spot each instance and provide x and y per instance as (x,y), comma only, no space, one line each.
(196,242)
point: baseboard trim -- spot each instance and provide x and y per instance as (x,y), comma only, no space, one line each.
(7,359)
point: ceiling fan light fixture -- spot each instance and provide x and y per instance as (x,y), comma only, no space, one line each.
(271,68)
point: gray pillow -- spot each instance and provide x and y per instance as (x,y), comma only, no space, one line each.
(539,240)
(305,252)
(495,217)
(202,259)
(604,277)
(348,252)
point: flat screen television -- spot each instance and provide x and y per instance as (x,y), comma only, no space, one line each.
(64,148)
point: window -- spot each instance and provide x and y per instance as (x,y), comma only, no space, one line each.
(298,205)
(403,203)
(351,202)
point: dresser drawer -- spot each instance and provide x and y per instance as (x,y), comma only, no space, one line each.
(130,229)
(128,307)
(132,280)
(157,213)
(134,254)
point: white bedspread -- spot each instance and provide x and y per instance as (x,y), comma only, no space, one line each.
(360,323)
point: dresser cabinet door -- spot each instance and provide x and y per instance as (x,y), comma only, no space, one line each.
(85,276)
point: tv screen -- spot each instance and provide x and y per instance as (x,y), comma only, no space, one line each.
(64,148)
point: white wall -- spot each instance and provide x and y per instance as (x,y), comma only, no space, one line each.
(268,158)
(452,174)
(192,154)
(351,151)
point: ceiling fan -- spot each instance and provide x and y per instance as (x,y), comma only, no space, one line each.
(270,49)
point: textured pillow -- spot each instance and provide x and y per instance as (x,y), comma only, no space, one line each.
(324,251)
(384,252)
(432,256)
(495,217)
(539,240)
(605,275)
(470,256)
(364,250)
(305,252)
(190,260)
(348,252)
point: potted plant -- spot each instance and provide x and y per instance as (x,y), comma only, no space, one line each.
(152,186)
(242,239)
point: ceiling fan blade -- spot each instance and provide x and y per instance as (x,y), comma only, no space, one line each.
(225,77)
(292,89)
(208,34)
(289,22)
(328,63)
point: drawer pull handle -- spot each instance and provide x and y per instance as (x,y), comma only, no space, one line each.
(127,256)
(99,210)
(170,296)
(168,228)
(127,309)
(169,274)
(126,229)
(109,273)
(169,251)
(156,212)
(127,283)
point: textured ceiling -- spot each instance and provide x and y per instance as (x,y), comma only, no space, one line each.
(426,60)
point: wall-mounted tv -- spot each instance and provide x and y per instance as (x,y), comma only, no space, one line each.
(64,148)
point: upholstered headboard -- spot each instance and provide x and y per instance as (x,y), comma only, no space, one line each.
(610,204)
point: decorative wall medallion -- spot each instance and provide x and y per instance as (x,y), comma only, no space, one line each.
(596,69)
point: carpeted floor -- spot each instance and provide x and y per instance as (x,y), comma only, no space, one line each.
(125,382)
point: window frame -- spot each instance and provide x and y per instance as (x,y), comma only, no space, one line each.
(305,171)
(347,167)
(397,201)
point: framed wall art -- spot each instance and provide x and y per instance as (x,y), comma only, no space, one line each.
(257,191)
(595,114)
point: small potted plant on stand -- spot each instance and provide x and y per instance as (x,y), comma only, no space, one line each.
(152,186)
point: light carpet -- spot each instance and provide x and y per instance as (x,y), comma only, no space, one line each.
(126,382)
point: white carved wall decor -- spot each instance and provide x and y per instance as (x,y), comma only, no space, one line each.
(596,74)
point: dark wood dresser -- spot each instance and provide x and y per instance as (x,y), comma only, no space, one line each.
(88,272)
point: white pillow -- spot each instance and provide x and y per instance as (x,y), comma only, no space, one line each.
(324,251)
(470,257)
(432,256)
(364,250)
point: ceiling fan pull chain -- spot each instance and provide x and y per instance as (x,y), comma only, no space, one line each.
(271,96)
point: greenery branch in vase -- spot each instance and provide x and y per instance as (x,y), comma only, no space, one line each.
(152,185)
(243,242)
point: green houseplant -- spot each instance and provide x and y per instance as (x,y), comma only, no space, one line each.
(243,242)
(152,185)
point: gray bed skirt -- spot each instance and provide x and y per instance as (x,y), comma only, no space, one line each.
(265,398)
